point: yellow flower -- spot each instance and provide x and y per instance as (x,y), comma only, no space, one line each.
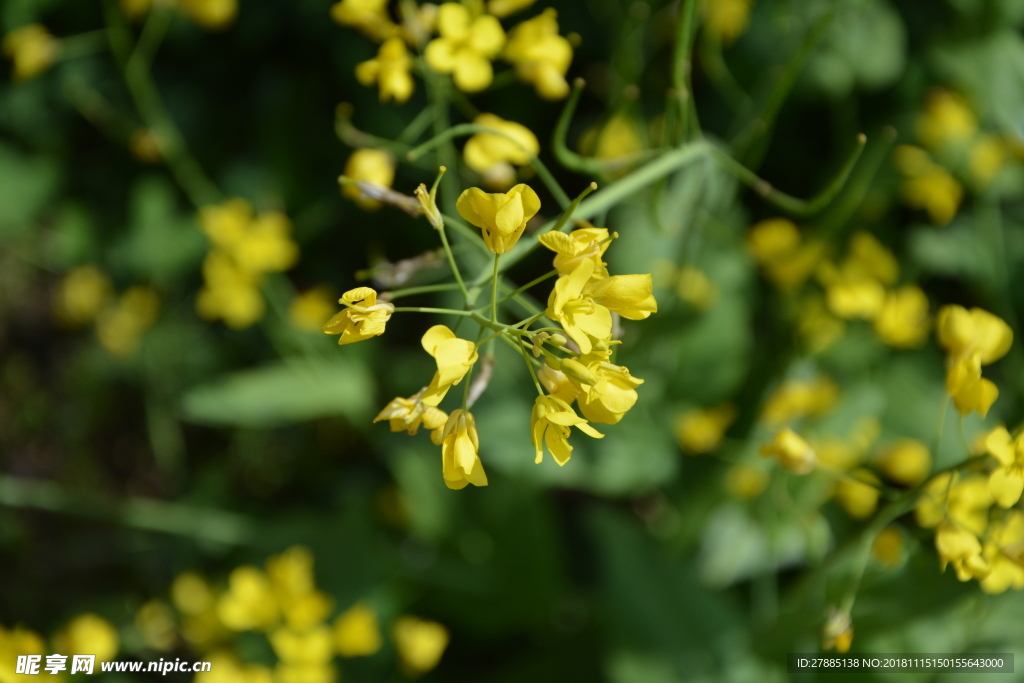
(191,594)
(309,310)
(970,391)
(929,186)
(618,139)
(267,246)
(88,634)
(580,317)
(1003,550)
(368,16)
(155,623)
(858,493)
(454,358)
(362,317)
(631,296)
(549,424)
(249,603)
(494,155)
(540,56)
(905,461)
(965,501)
(798,398)
(947,119)
(837,633)
(791,451)
(32,49)
(726,20)
(607,391)
(579,245)
(745,481)
(773,239)
(460,445)
(903,322)
(887,547)
(304,656)
(467,44)
(975,332)
(557,383)
(867,256)
(291,572)
(694,287)
(987,158)
(391,69)
(502,216)
(961,548)
(356,632)
(371,166)
(229,293)
(120,327)
(14,642)
(851,295)
(420,643)
(503,8)
(1006,481)
(226,225)
(700,431)
(210,14)
(407,414)
(817,326)
(82,294)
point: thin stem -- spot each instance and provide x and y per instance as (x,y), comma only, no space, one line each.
(83,44)
(452,263)
(528,285)
(416,127)
(153,32)
(467,129)
(494,290)
(529,366)
(471,234)
(354,137)
(424,289)
(788,203)
(186,170)
(423,309)
(682,65)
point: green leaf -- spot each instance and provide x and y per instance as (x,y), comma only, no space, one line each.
(281,393)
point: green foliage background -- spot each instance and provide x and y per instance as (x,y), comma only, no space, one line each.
(213,448)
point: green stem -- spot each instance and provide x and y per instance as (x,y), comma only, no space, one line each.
(200,190)
(529,366)
(424,309)
(682,64)
(153,32)
(425,289)
(494,290)
(452,263)
(145,514)
(466,129)
(528,285)
(788,203)
(416,127)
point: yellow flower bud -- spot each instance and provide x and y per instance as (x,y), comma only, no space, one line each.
(420,643)
(906,462)
(501,216)
(791,451)
(858,493)
(369,166)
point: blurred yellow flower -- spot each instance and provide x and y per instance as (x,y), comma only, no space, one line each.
(1007,480)
(88,634)
(694,287)
(494,155)
(502,216)
(970,391)
(460,461)
(540,56)
(13,643)
(817,326)
(468,41)
(850,295)
(786,260)
(946,120)
(903,322)
(370,166)
(858,493)
(975,332)
(987,158)
(154,621)
(362,317)
(120,327)
(963,500)
(549,425)
(267,246)
(867,256)
(726,20)
(210,14)
(503,8)
(557,383)
(225,668)
(791,451)
(304,656)
(961,548)
(32,49)
(311,309)
(230,293)
(904,461)
(795,399)
(701,430)
(929,186)
(391,69)
(745,481)
(81,296)
(356,632)
(837,633)
(368,16)
(191,594)
(887,548)
(1003,551)
(454,358)
(249,602)
(420,643)
(618,139)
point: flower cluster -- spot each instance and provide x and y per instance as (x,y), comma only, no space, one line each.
(84,634)
(282,602)
(244,248)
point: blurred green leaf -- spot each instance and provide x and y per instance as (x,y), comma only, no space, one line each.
(281,393)
(26,185)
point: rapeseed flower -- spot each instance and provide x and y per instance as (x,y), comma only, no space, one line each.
(701,430)
(494,156)
(81,296)
(407,414)
(903,322)
(366,165)
(1007,481)
(356,632)
(581,317)
(420,643)
(579,245)
(454,359)
(549,425)
(469,39)
(905,461)
(792,452)
(370,17)
(391,69)
(362,317)
(460,459)
(32,49)
(502,216)
(88,634)
(540,56)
